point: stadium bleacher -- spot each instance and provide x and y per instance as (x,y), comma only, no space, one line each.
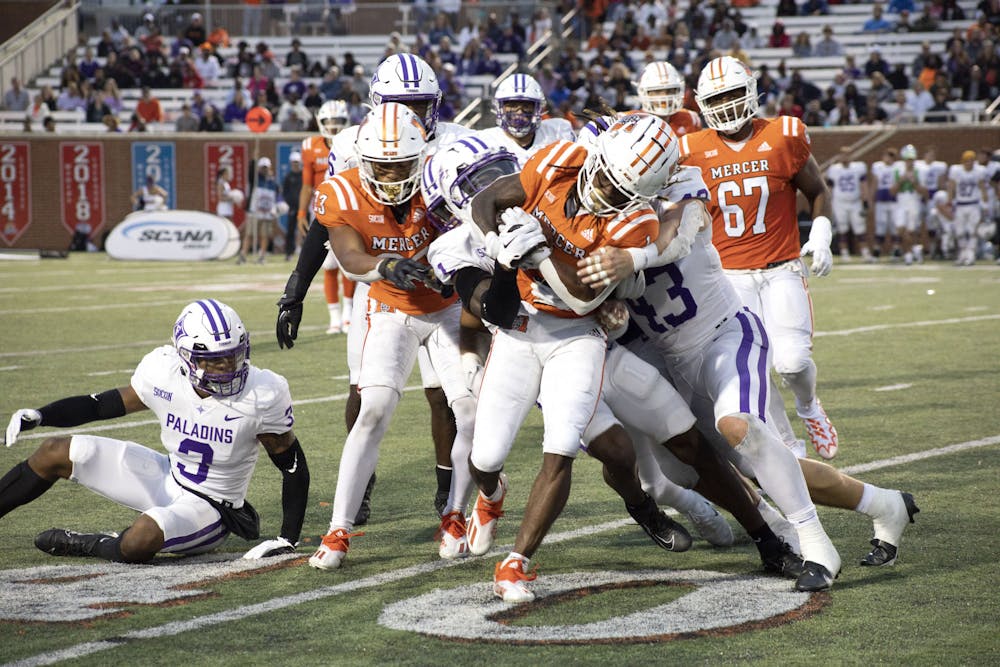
(368,50)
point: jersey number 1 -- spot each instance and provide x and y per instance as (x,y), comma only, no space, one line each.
(732,214)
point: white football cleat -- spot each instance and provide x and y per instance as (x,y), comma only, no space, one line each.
(821,431)
(482,526)
(711,525)
(333,550)
(454,543)
(510,581)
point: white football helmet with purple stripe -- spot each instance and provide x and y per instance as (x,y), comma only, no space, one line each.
(215,346)
(456,173)
(409,80)
(518,88)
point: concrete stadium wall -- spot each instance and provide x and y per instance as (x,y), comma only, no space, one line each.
(47,180)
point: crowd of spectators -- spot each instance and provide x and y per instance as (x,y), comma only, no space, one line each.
(598,66)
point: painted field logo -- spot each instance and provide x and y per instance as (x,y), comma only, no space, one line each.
(85,592)
(720,604)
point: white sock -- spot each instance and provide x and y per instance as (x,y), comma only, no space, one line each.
(346,307)
(514,555)
(816,545)
(866,499)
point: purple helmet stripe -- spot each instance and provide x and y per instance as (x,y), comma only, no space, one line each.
(467,142)
(222,318)
(411,80)
(211,320)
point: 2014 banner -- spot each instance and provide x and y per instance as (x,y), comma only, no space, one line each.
(15,190)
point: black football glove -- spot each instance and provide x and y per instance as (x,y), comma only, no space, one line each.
(403,273)
(289,313)
(431,280)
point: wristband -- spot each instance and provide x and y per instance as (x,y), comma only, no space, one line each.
(301,215)
(642,257)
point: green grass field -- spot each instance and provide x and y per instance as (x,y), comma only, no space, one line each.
(909,363)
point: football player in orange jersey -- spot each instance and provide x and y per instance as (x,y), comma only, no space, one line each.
(584,200)
(754,168)
(408,80)
(378,228)
(331,118)
(661,92)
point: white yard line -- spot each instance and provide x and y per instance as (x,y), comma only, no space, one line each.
(907,325)
(894,387)
(199,623)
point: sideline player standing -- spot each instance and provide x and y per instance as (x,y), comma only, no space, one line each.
(213,408)
(754,168)
(847,179)
(331,118)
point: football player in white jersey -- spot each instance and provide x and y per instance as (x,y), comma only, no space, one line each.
(518,104)
(987,229)
(848,180)
(407,79)
(909,193)
(213,408)
(967,190)
(932,174)
(881,201)
(696,329)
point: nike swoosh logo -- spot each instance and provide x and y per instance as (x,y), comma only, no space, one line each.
(229,419)
(295,465)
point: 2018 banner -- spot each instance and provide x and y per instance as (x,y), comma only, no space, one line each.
(81,170)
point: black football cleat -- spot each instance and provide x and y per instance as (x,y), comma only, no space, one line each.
(814,578)
(883,552)
(664,531)
(62,542)
(783,561)
(365,511)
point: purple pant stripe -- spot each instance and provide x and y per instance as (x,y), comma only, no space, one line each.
(201,546)
(742,362)
(761,364)
(193,536)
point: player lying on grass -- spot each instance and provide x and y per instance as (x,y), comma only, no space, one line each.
(213,407)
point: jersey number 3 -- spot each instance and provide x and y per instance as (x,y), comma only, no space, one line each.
(732,214)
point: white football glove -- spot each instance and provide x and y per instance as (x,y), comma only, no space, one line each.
(818,245)
(522,243)
(822,258)
(22,420)
(276,547)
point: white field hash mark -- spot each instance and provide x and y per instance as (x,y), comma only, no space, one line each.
(239,613)
(894,387)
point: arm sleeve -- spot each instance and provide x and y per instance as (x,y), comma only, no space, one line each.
(310,260)
(294,489)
